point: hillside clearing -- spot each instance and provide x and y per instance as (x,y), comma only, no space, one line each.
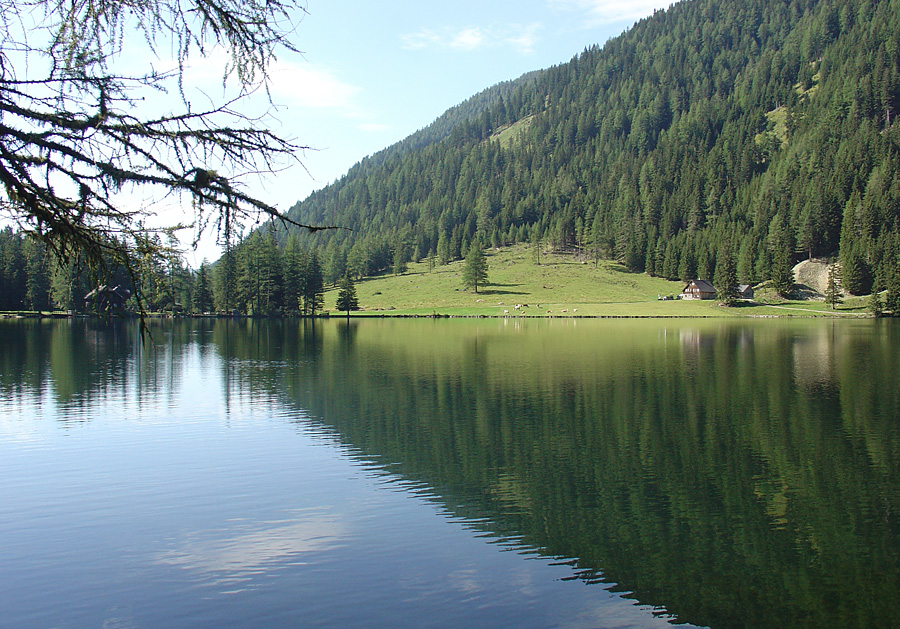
(561,285)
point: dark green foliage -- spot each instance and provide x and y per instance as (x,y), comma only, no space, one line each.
(400,259)
(475,271)
(876,306)
(656,149)
(346,299)
(780,269)
(833,293)
(856,277)
(12,271)
(892,299)
(314,286)
(725,279)
(202,295)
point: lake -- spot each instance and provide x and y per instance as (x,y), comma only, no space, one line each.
(478,473)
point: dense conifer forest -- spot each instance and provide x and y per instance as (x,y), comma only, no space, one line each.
(714,138)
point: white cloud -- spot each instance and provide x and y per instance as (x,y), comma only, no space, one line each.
(519,37)
(308,86)
(468,39)
(374,127)
(293,84)
(603,11)
(525,38)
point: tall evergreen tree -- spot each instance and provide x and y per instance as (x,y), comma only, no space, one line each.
(313,286)
(725,279)
(856,276)
(475,271)
(833,293)
(892,299)
(202,295)
(536,244)
(346,298)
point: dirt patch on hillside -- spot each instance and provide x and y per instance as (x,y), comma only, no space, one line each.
(813,274)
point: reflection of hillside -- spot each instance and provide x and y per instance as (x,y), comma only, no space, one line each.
(812,356)
(88,359)
(703,490)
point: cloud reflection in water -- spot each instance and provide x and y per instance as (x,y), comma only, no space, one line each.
(234,555)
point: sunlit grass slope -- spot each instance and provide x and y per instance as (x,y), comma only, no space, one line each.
(560,285)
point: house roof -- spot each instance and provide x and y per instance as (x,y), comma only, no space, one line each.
(702,285)
(744,288)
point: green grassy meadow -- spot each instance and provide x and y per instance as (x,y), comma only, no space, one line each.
(560,286)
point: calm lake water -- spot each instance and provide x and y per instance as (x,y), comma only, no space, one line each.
(533,473)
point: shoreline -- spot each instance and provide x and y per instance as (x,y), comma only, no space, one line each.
(797,313)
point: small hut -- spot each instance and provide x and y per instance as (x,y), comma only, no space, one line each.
(745,291)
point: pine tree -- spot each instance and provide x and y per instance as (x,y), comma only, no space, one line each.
(876,307)
(202,299)
(313,286)
(892,299)
(726,277)
(855,274)
(346,299)
(833,295)
(400,266)
(476,268)
(37,277)
(443,249)
(226,280)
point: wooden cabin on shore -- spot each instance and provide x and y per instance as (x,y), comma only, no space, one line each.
(698,289)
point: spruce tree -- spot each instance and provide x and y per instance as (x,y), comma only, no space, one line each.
(314,286)
(202,298)
(346,299)
(833,295)
(876,307)
(892,299)
(476,268)
(400,265)
(536,244)
(781,272)
(726,277)
(855,274)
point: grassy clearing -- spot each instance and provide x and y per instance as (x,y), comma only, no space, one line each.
(559,286)
(510,135)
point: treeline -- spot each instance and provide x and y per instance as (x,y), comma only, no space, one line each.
(256,278)
(765,130)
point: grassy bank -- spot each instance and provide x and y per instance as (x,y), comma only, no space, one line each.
(559,286)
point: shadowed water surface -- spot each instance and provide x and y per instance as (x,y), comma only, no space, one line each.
(441,473)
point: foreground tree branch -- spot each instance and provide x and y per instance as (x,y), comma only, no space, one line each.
(76,132)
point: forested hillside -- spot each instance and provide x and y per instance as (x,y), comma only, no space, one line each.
(762,131)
